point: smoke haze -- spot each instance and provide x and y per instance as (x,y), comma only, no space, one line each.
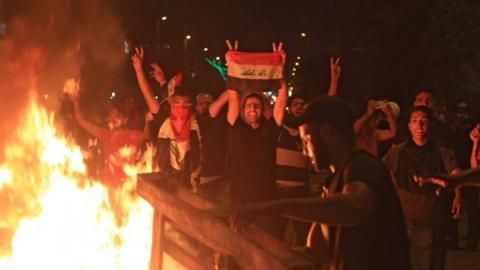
(45,44)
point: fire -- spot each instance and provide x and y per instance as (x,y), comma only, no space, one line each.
(52,216)
(5,176)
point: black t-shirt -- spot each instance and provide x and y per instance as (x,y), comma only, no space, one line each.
(380,242)
(252,160)
(406,160)
(213,132)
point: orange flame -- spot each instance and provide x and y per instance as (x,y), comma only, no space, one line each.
(57,217)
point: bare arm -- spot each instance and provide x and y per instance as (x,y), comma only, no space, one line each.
(474,136)
(473,155)
(157,74)
(335,71)
(152,103)
(457,200)
(465,178)
(217,105)
(382,135)
(233,99)
(267,108)
(362,121)
(279,107)
(233,106)
(148,126)
(351,207)
(469,178)
(85,124)
(281,102)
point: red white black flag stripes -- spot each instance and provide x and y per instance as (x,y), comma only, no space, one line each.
(254,72)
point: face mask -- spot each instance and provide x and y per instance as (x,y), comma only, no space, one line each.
(181,112)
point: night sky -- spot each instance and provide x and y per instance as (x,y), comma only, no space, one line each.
(388,48)
(256,24)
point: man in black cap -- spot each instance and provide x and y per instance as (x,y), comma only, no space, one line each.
(361,207)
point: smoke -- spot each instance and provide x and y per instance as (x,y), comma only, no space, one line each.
(46,43)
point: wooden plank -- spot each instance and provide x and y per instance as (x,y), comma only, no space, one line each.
(213,232)
(291,260)
(193,199)
(269,243)
(181,256)
(158,238)
(260,237)
(295,259)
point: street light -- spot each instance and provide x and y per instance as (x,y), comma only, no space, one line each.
(217,58)
(205,49)
(303,34)
(188,37)
(294,69)
(164,18)
(298,58)
(297,64)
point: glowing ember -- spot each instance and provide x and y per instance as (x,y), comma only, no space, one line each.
(57,217)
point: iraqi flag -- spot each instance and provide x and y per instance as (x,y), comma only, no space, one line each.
(254,72)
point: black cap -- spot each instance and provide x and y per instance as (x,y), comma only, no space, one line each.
(330,110)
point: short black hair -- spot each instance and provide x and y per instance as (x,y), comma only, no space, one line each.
(423,88)
(300,95)
(183,91)
(253,95)
(333,111)
(428,112)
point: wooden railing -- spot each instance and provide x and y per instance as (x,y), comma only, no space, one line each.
(192,215)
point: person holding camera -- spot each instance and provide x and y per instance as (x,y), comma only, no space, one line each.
(367,134)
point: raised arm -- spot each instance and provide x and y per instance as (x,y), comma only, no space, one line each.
(233,106)
(233,99)
(362,121)
(85,124)
(335,71)
(281,102)
(382,135)
(137,60)
(147,129)
(217,104)
(157,74)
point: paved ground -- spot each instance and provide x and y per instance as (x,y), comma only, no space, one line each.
(463,260)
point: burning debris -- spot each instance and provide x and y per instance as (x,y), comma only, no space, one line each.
(55,217)
(54,214)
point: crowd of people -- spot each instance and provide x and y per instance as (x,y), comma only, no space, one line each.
(380,205)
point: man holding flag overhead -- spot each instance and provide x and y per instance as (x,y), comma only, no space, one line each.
(253,136)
